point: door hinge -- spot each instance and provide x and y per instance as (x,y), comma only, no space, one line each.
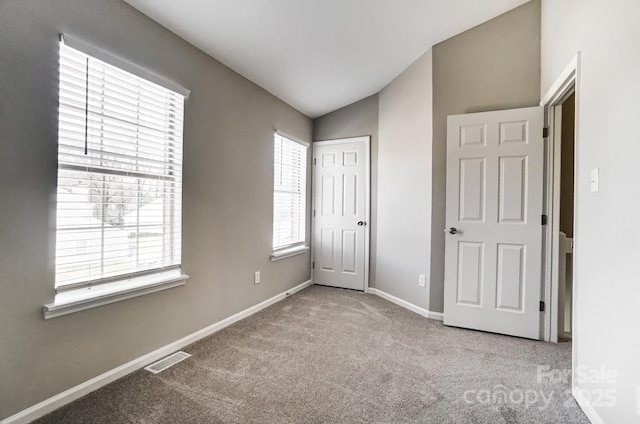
(542,306)
(544,220)
(313,264)
(314,161)
(314,212)
(545,132)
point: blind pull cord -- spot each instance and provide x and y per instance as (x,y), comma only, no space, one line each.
(86,110)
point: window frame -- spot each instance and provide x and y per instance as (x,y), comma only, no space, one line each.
(300,246)
(76,296)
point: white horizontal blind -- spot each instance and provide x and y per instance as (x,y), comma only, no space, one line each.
(289,188)
(119,173)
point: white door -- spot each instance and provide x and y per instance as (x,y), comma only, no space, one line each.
(341,213)
(493,256)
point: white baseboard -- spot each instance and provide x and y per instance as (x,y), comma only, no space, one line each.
(410,306)
(586,407)
(49,405)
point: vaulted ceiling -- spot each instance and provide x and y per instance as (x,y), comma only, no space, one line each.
(320,55)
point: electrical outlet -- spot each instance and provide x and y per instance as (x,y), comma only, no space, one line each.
(256,278)
(422,280)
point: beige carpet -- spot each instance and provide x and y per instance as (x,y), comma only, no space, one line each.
(336,356)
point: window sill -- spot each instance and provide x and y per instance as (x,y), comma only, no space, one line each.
(91,297)
(287,253)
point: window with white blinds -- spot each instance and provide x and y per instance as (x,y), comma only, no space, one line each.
(289,192)
(119,174)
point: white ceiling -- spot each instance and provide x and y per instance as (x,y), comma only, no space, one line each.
(320,55)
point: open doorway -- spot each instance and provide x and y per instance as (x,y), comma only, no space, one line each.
(560,244)
(560,205)
(566,227)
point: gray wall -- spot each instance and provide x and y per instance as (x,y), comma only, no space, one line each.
(493,66)
(228,150)
(404,183)
(359,118)
(606,288)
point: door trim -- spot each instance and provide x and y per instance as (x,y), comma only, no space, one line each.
(567,83)
(367,199)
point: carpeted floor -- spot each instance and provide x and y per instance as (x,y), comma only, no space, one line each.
(329,355)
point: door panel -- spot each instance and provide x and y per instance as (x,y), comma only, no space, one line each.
(510,277)
(494,200)
(472,189)
(350,251)
(350,195)
(340,203)
(472,135)
(327,250)
(513,189)
(514,132)
(470,273)
(328,193)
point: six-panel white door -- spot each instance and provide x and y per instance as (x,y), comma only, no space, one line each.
(494,235)
(340,196)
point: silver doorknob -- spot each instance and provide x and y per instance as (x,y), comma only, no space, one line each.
(452,230)
(361,223)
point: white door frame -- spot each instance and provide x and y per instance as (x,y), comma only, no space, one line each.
(367,199)
(567,83)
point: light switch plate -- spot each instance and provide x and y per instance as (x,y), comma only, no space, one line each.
(422,280)
(595,180)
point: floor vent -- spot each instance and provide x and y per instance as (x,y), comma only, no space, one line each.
(167,362)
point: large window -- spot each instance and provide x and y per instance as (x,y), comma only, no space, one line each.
(119,174)
(289,192)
